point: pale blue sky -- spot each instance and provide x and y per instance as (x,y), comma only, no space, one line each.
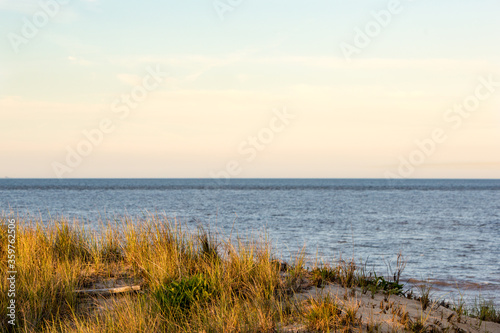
(354,119)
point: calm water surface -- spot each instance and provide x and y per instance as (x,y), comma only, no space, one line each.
(449,230)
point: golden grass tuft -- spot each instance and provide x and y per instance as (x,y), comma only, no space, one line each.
(246,291)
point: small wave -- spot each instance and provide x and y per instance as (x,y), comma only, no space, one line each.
(461,285)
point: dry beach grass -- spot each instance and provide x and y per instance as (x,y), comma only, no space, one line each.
(194,282)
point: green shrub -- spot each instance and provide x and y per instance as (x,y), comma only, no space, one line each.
(183,294)
(390,287)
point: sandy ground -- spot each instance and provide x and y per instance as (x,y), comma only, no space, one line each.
(380,312)
(386,313)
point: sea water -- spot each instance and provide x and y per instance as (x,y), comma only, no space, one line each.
(448,230)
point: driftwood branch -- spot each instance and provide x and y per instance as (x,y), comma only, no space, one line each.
(107,291)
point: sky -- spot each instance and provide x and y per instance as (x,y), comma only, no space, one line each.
(249,89)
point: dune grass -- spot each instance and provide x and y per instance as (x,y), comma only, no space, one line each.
(190,281)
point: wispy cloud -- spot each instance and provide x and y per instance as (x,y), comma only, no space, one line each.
(79,61)
(209,62)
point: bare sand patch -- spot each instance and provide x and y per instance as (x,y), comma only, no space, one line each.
(391,313)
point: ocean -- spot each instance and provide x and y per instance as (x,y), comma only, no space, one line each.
(448,230)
